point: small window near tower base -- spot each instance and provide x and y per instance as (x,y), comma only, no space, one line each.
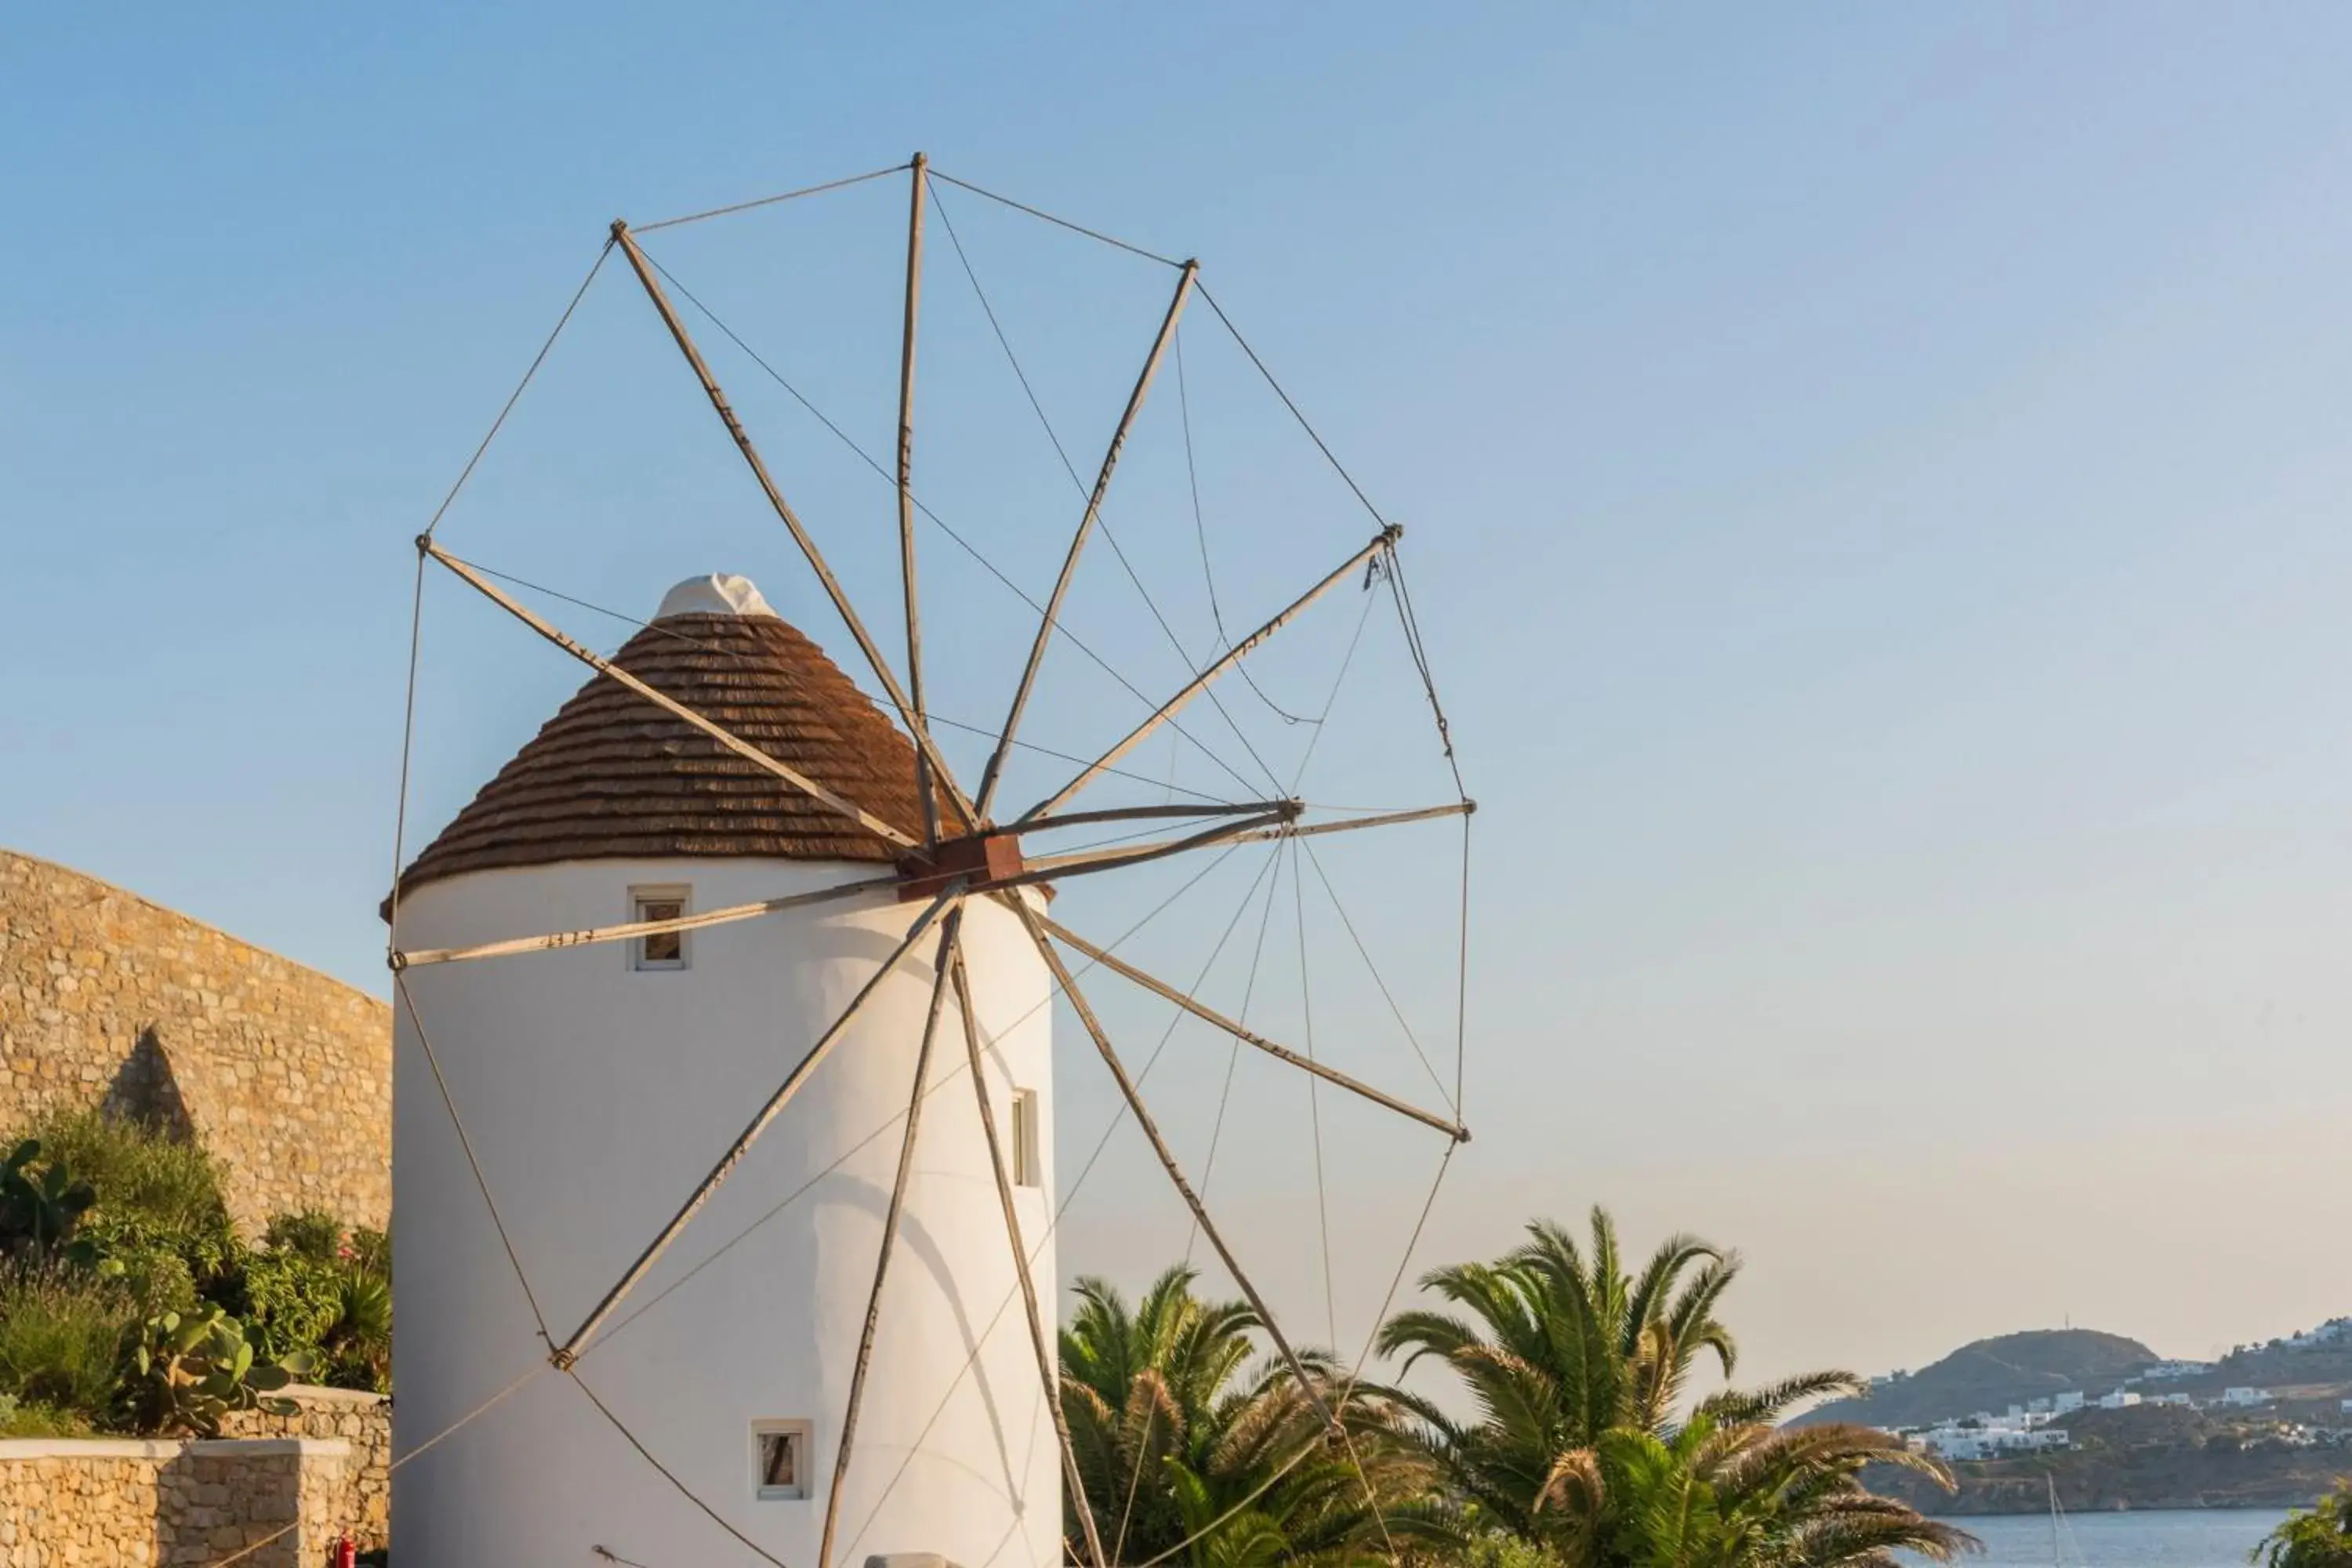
(780,1460)
(663,948)
(1023,1152)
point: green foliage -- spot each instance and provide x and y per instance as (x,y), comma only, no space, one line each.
(1184,1433)
(2318,1537)
(313,1290)
(291,1300)
(1578,1374)
(61,1335)
(19,1419)
(42,1204)
(188,1371)
(154,1194)
(314,1236)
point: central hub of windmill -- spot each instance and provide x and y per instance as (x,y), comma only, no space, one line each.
(984,859)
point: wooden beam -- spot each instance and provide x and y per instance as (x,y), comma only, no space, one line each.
(1147,813)
(907,506)
(553,940)
(569,1350)
(1199,683)
(1158,987)
(1049,867)
(1048,1377)
(890,1218)
(1382,819)
(815,558)
(993,776)
(604,666)
(1069,984)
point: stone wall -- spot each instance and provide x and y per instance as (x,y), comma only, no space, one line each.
(285,1074)
(361,1421)
(96,1503)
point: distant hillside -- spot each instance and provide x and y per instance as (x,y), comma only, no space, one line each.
(2146,1457)
(1992,1374)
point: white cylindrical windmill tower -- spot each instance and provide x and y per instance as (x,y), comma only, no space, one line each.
(589,1090)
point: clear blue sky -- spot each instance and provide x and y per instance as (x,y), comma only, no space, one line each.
(1876,476)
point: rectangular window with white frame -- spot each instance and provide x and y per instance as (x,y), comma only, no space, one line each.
(779,1460)
(1027,1169)
(662,949)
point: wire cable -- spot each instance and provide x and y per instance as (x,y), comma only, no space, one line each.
(1052,1225)
(949,1076)
(772,200)
(1201,535)
(966,545)
(715,650)
(432,1061)
(939,174)
(1102,524)
(668,1474)
(516,396)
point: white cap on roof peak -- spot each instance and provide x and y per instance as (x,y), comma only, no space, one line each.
(719,593)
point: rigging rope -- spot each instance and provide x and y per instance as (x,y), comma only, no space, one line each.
(666,1473)
(950,1076)
(936,520)
(740,657)
(1052,1223)
(250,1547)
(772,200)
(432,1061)
(1102,524)
(1347,1394)
(939,174)
(1200,534)
(1325,876)
(516,396)
(1209,1162)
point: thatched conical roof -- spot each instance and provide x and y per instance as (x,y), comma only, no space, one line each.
(613,776)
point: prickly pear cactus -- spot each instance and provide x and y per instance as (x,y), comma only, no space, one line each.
(190,1369)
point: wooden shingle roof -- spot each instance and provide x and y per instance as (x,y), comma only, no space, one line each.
(613,776)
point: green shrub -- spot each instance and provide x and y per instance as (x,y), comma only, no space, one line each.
(62,1330)
(314,1291)
(19,1419)
(292,1300)
(312,1234)
(154,1190)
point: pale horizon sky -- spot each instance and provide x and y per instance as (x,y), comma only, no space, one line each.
(1874,481)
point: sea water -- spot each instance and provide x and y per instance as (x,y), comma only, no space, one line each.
(2154,1538)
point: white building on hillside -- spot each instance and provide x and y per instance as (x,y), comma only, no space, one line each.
(2163,1370)
(2121,1399)
(2242,1397)
(2069,1400)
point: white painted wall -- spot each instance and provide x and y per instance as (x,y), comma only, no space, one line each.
(596,1097)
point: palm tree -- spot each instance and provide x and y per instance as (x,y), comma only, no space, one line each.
(1579,1374)
(1189,1443)
(2320,1536)
(1740,1494)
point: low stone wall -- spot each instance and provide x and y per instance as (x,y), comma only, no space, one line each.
(285,1074)
(92,1503)
(362,1421)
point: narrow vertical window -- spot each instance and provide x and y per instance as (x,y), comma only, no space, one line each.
(1023,1152)
(662,949)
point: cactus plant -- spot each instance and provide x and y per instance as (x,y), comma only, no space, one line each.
(190,1369)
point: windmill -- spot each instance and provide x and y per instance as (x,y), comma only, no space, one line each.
(723,914)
